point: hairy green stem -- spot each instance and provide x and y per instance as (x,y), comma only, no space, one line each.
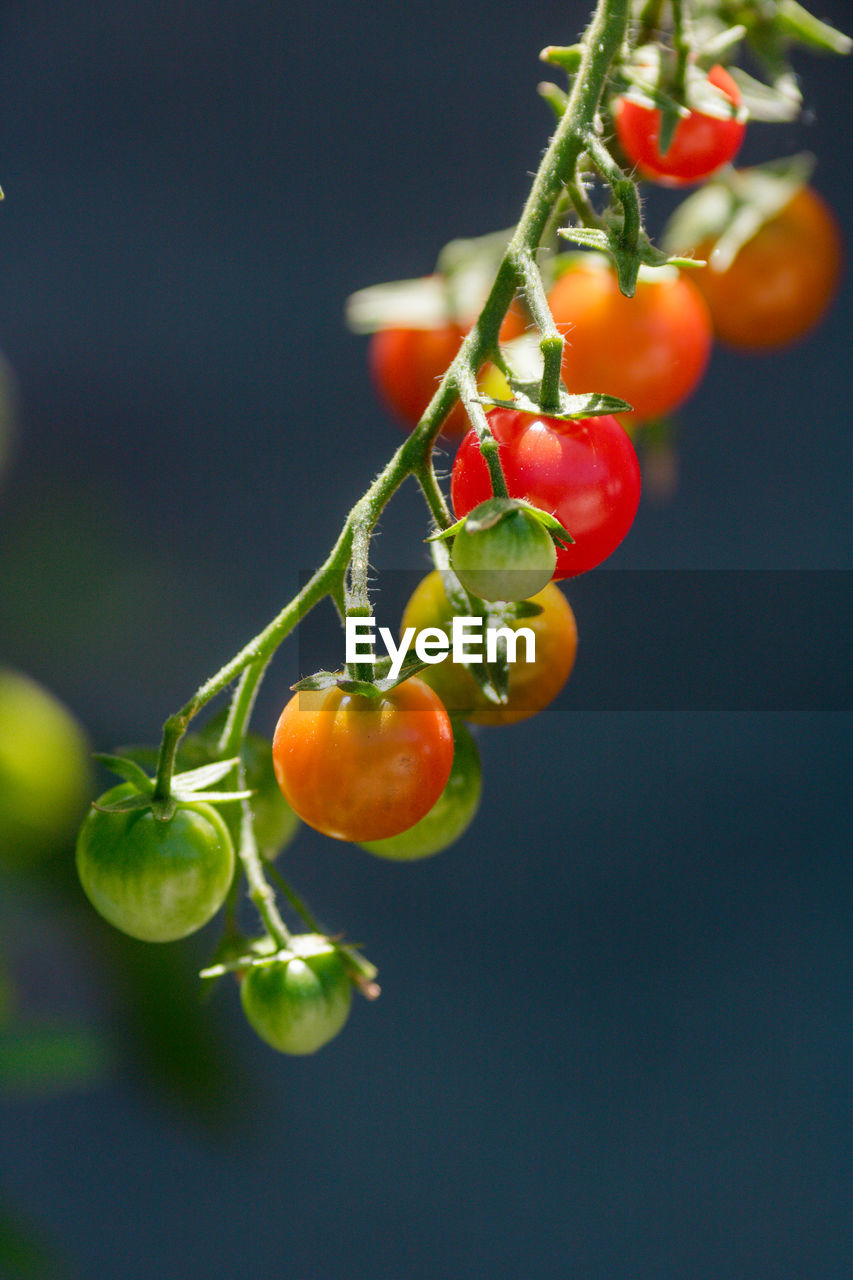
(260,891)
(240,710)
(551,340)
(583,206)
(435,499)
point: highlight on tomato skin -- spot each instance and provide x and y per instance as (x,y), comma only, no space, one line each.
(782,281)
(651,350)
(700,145)
(359,768)
(583,471)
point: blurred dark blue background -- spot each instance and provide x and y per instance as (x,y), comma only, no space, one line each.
(615,1035)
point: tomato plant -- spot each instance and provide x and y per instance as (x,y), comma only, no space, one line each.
(363,753)
(450,816)
(532,685)
(157,881)
(700,145)
(651,350)
(583,471)
(360,768)
(299,999)
(781,281)
(503,555)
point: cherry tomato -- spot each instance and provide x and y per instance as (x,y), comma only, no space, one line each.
(781,282)
(360,768)
(299,999)
(700,144)
(532,685)
(585,472)
(650,350)
(45,778)
(408,364)
(451,814)
(509,560)
(157,881)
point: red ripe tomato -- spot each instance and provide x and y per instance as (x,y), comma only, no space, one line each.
(700,144)
(651,350)
(584,472)
(407,365)
(359,768)
(782,280)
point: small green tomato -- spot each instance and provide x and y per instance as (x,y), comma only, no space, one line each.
(451,814)
(503,556)
(156,881)
(300,998)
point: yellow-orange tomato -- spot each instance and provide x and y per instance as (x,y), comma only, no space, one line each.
(532,685)
(360,768)
(651,349)
(782,280)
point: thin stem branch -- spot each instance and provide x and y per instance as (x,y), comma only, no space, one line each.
(583,206)
(488,444)
(551,340)
(435,499)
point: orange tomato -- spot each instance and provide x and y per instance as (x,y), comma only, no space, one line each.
(651,349)
(781,281)
(359,768)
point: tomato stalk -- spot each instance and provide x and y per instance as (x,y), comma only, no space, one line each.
(343,575)
(551,342)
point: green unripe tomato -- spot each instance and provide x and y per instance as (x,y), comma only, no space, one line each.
(275,822)
(299,999)
(45,776)
(510,559)
(157,881)
(451,814)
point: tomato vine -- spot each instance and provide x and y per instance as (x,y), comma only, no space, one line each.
(663,60)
